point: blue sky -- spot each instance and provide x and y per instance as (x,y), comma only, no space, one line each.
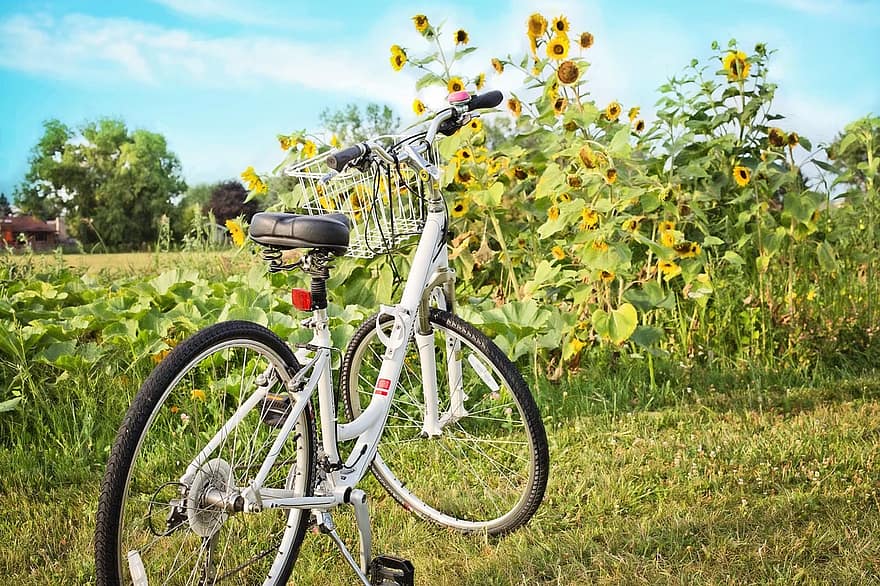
(220,78)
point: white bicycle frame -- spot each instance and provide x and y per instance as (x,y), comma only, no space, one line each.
(429,274)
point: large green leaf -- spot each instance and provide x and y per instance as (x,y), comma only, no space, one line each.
(618,324)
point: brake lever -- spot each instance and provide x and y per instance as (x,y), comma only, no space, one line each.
(327,178)
(432,170)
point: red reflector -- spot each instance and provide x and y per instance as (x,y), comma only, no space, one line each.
(384,384)
(301,299)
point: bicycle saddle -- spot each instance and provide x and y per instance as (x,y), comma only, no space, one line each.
(283,230)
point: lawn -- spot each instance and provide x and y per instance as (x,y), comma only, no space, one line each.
(764,484)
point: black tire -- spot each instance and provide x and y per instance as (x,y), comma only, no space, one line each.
(182,404)
(487,471)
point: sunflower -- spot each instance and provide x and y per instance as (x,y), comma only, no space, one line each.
(576,346)
(464,154)
(359,198)
(521,174)
(497,65)
(631,224)
(574,181)
(480,81)
(600,245)
(461,37)
(639,126)
(309,149)
(741,175)
(666,226)
(421,22)
(587,156)
(398,58)
(197,395)
(476,125)
(334,141)
(459,208)
(633,113)
(568,72)
(495,166)
(793,139)
(687,249)
(589,219)
(606,276)
(254,182)
(560,25)
(669,269)
(667,238)
(565,197)
(557,48)
(418,107)
(557,252)
(559,105)
(610,175)
(553,212)
(463,176)
(455,85)
(236,232)
(737,65)
(777,137)
(514,106)
(586,40)
(612,111)
(537,25)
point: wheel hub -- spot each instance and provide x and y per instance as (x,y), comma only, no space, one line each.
(210,487)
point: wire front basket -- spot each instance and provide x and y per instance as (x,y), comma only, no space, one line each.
(384,204)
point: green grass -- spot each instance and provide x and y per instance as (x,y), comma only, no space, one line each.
(136,263)
(746,483)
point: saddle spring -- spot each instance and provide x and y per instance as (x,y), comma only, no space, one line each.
(273,256)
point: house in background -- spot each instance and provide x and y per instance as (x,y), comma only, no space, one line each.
(39,234)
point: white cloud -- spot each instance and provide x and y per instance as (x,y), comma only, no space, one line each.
(87,48)
(260,13)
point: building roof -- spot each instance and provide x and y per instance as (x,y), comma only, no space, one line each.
(26,224)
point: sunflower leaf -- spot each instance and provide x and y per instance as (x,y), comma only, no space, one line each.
(461,53)
(428,79)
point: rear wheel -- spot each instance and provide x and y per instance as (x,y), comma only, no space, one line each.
(174,525)
(487,468)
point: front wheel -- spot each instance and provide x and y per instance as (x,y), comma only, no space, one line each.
(163,516)
(484,467)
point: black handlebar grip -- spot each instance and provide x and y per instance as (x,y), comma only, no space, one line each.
(338,160)
(487,100)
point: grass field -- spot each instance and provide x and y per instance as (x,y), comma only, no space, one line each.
(132,263)
(755,484)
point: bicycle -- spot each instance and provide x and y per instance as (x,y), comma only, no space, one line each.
(217,469)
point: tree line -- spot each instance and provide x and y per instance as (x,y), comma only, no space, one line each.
(115,186)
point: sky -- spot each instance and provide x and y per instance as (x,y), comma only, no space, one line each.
(221,78)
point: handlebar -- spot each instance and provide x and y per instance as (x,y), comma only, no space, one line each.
(487,100)
(446,122)
(338,160)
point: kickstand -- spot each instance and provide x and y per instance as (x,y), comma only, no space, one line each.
(358,501)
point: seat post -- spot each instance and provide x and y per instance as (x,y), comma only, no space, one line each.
(316,263)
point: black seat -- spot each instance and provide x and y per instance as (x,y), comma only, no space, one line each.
(285,231)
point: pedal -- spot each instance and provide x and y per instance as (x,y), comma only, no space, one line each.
(275,409)
(386,570)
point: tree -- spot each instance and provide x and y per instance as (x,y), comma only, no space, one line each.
(112,184)
(855,154)
(351,126)
(228,201)
(5,208)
